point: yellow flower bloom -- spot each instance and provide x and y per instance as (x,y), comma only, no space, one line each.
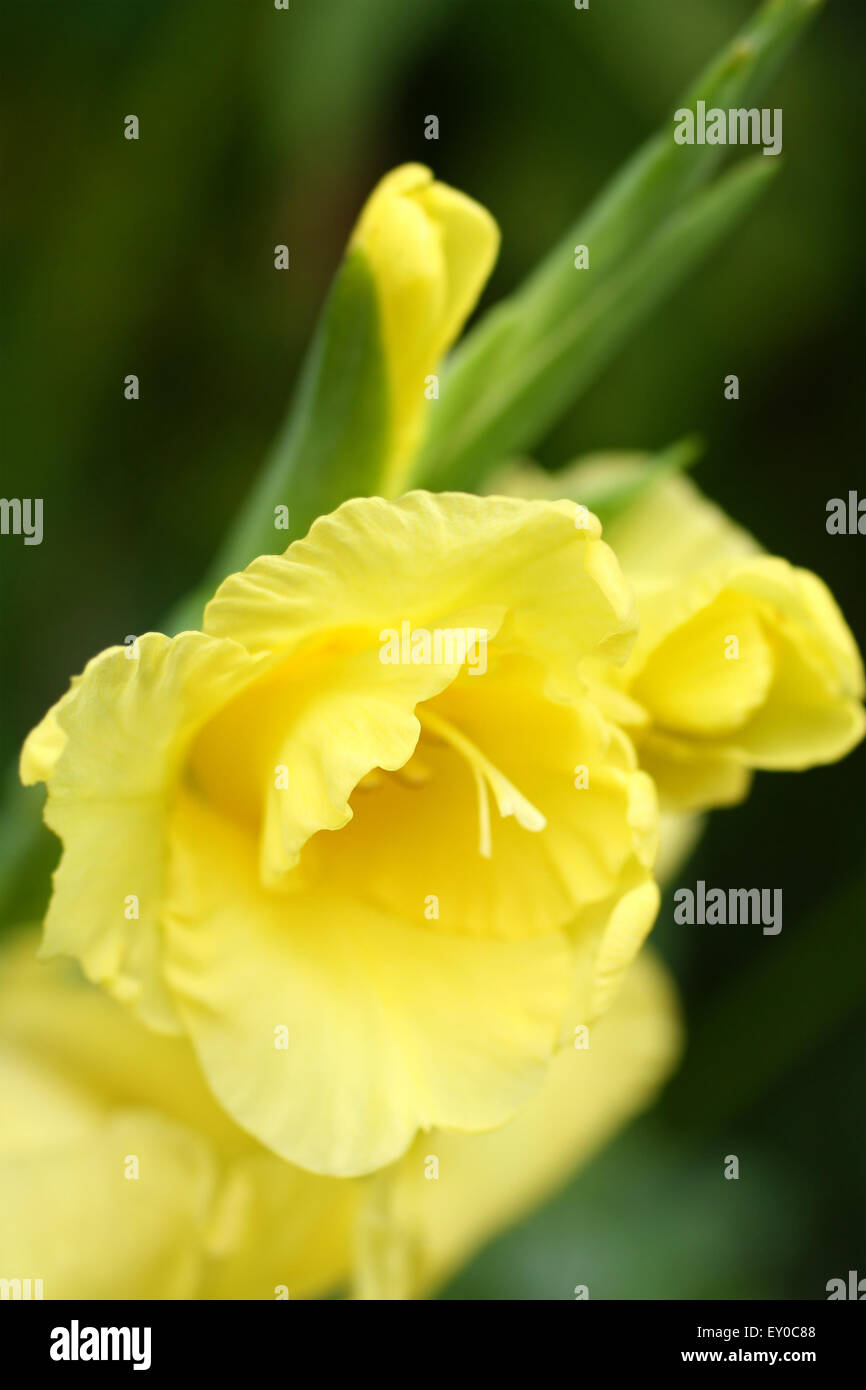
(121,1178)
(269,831)
(430,249)
(742,661)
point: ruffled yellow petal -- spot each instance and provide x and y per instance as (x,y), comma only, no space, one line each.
(562,820)
(332,711)
(391,1026)
(288,753)
(110,750)
(446,559)
(43,747)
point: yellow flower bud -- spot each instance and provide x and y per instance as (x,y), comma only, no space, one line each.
(430,249)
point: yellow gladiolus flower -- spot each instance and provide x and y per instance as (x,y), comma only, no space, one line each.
(121,1178)
(430,249)
(279,832)
(743,662)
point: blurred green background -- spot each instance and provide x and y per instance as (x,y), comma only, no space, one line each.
(156,258)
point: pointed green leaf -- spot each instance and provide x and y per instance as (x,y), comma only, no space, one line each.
(513,406)
(560,310)
(333,444)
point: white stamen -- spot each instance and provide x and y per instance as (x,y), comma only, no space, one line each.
(485,839)
(509,801)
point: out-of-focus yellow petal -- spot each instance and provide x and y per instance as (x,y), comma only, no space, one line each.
(280,1232)
(673,530)
(39,1107)
(486,1182)
(678,837)
(70,1216)
(430,249)
(81,1038)
(85,1089)
(628,927)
